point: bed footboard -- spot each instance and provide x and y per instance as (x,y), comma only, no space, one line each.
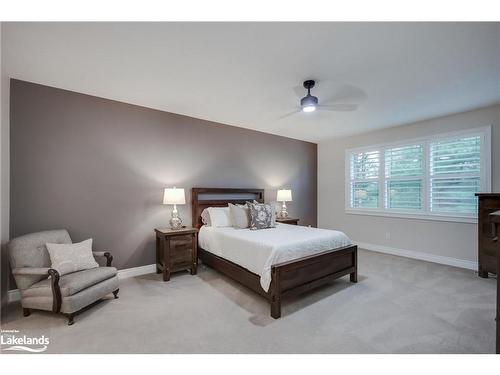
(300,275)
(292,277)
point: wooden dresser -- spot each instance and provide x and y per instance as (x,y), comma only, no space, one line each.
(487,249)
(495,219)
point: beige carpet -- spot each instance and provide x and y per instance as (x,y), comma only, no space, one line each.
(398,306)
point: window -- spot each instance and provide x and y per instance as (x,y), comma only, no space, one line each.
(455,175)
(432,178)
(364,182)
(404,177)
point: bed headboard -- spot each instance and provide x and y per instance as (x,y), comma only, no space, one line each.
(202,198)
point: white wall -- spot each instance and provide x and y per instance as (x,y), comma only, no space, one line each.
(4,170)
(443,239)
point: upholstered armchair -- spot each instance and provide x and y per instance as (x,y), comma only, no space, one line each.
(42,288)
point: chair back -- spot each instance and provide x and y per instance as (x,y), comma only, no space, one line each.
(30,251)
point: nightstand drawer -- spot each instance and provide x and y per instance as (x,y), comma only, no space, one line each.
(181,251)
(181,242)
(180,261)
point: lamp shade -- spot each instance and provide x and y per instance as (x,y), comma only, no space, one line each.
(284,196)
(174,196)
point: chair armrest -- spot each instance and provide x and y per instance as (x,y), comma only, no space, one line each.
(107,255)
(54,281)
(56,290)
(29,271)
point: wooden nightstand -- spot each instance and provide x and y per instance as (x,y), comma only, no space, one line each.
(287,220)
(176,250)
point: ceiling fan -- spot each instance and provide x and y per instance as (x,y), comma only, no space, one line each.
(310,103)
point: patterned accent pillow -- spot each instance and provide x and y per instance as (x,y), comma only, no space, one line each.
(68,258)
(261,216)
(273,207)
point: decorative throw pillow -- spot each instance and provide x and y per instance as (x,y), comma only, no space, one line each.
(273,207)
(205,217)
(219,216)
(68,258)
(261,215)
(240,216)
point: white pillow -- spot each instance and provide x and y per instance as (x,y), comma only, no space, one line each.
(68,258)
(239,215)
(205,217)
(219,216)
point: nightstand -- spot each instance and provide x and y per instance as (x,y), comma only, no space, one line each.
(287,220)
(176,250)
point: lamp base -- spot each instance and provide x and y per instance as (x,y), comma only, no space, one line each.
(175,221)
(283,214)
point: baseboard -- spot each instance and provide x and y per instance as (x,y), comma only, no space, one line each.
(136,271)
(14,295)
(420,256)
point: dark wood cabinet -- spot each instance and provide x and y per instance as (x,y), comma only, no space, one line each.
(487,249)
(498,305)
(176,250)
(495,219)
(287,220)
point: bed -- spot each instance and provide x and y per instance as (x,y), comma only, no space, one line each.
(284,261)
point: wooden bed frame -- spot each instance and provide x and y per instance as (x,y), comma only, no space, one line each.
(288,278)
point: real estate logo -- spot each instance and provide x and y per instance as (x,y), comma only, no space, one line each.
(12,340)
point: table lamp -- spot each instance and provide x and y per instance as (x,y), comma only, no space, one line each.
(284,196)
(174,196)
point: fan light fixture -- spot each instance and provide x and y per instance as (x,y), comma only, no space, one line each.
(309,102)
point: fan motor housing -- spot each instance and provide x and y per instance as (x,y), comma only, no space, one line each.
(309,100)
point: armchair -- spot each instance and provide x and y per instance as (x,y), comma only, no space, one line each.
(42,287)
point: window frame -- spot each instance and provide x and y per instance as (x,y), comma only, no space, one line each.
(423,214)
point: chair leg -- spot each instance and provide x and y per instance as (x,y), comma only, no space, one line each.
(70,318)
(26,312)
(115,293)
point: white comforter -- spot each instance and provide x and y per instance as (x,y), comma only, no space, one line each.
(258,250)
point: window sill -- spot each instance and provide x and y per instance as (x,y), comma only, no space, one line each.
(402,215)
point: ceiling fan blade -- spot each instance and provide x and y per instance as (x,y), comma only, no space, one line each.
(340,107)
(300,91)
(345,93)
(290,114)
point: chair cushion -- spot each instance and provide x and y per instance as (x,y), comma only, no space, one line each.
(72,283)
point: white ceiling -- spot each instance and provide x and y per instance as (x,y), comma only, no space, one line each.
(244,74)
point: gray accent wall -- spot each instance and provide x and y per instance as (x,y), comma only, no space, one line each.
(434,238)
(98,167)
